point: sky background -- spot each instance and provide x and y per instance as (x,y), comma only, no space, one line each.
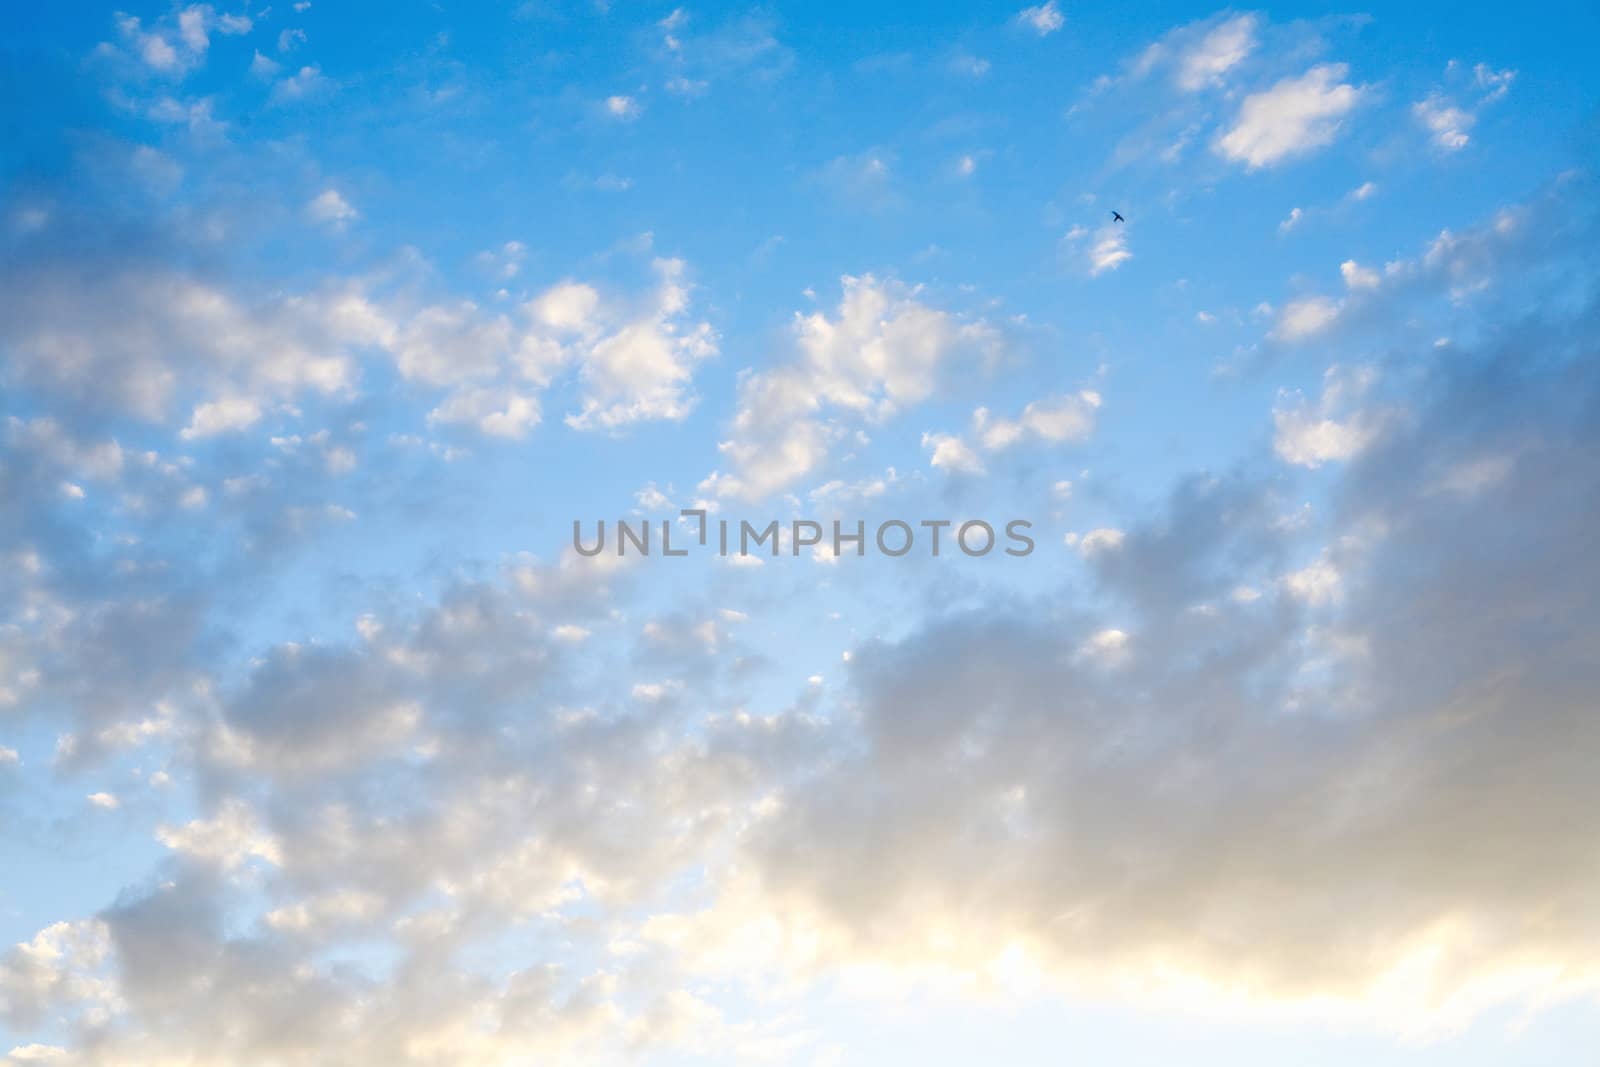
(321,324)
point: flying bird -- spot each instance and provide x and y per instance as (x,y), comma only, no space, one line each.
(1117,218)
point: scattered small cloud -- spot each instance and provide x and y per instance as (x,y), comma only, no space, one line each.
(623,108)
(1044,19)
(302,84)
(950,453)
(1305,318)
(1450,122)
(331,209)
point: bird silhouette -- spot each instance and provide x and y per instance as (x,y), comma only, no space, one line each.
(1117,218)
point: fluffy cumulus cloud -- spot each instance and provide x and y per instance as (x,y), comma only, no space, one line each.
(884,350)
(639,365)
(1052,421)
(950,453)
(634,357)
(151,343)
(1305,317)
(1294,117)
(1448,124)
(331,208)
(1312,435)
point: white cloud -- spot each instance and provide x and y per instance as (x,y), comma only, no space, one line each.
(1106,648)
(1494,83)
(330,208)
(882,352)
(60,968)
(1044,19)
(1197,56)
(178,42)
(1053,420)
(1306,317)
(505,262)
(494,411)
(1109,249)
(1311,436)
(642,368)
(1101,540)
(306,82)
(322,915)
(126,340)
(634,358)
(1358,277)
(233,837)
(568,307)
(1447,123)
(227,415)
(1309,441)
(951,453)
(652,499)
(1316,583)
(625,108)
(450,344)
(1070,417)
(1219,51)
(192,28)
(1294,117)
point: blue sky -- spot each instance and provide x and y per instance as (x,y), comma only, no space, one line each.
(321,325)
